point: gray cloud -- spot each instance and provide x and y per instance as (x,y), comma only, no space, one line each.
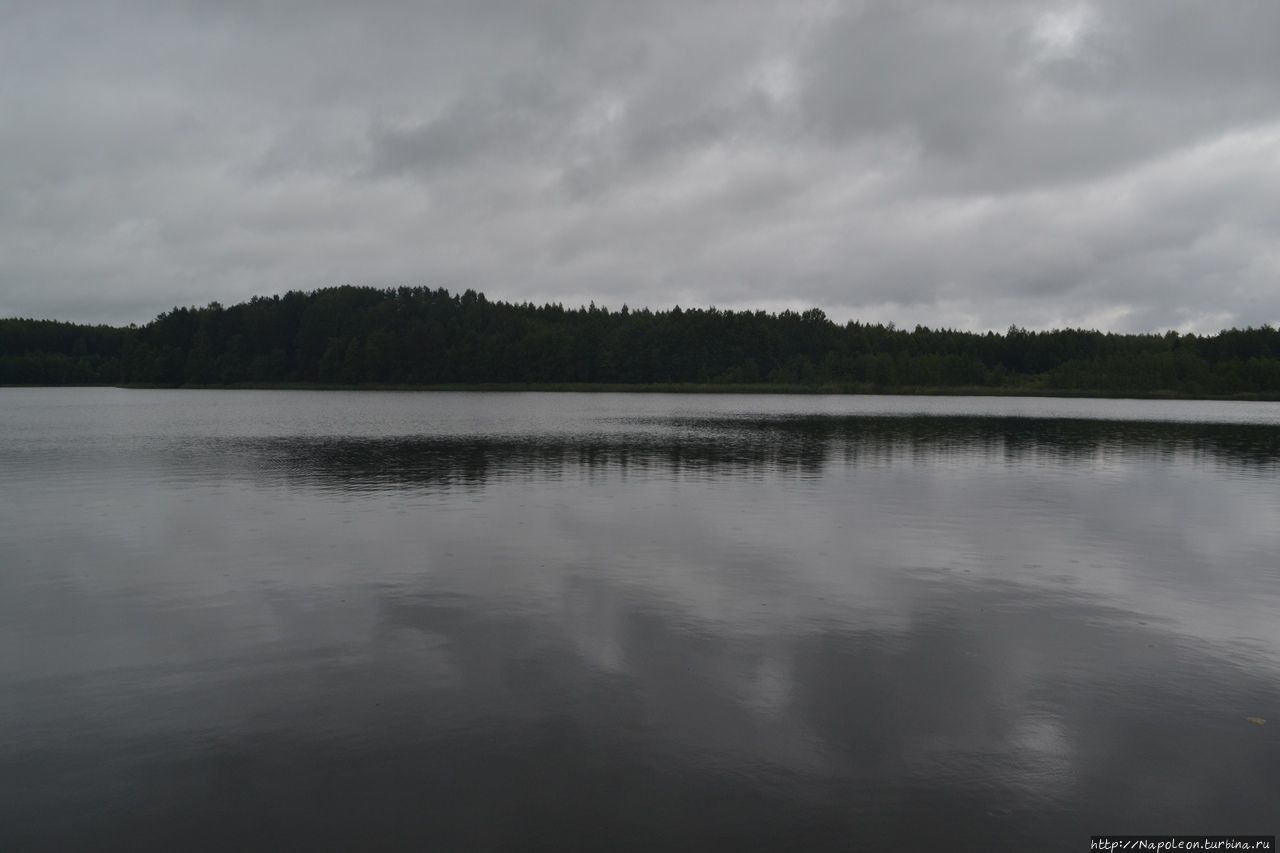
(974,164)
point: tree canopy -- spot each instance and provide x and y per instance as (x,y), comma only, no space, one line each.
(420,336)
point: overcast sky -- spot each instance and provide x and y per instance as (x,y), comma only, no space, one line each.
(969,164)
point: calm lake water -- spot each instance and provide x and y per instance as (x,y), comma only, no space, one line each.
(367,621)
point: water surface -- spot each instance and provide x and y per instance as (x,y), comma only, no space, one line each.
(292,620)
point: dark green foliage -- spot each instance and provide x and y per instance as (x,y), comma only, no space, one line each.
(419,336)
(46,352)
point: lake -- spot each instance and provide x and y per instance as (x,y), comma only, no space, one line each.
(255,620)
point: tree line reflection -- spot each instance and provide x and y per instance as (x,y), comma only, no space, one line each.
(713,447)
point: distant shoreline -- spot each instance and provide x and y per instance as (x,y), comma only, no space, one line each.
(696,388)
(423,339)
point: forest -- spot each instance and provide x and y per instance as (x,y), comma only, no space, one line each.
(411,336)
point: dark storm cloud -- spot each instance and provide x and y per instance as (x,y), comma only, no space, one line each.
(973,164)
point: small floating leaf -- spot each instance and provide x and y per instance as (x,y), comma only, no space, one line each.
(1257,721)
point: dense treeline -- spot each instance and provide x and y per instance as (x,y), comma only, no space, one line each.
(354,335)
